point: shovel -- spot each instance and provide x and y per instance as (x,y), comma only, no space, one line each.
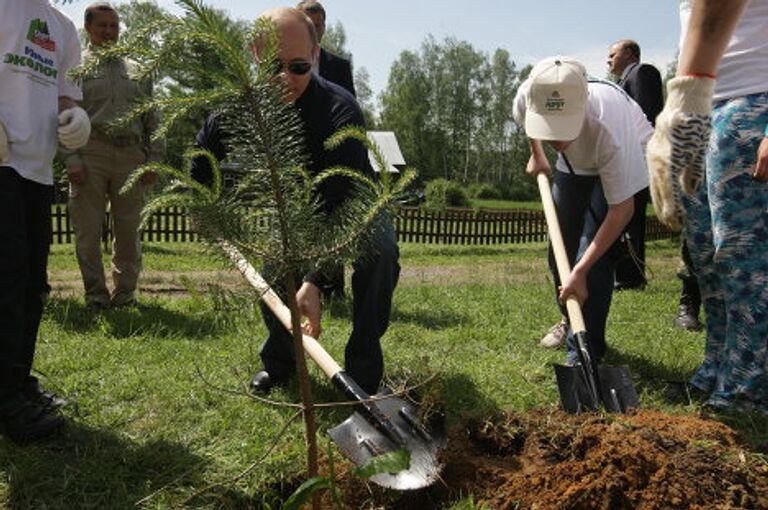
(381,424)
(586,385)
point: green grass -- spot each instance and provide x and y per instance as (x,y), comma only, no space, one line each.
(505,204)
(534,205)
(150,420)
(156,256)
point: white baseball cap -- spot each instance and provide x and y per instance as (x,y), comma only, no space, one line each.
(556,100)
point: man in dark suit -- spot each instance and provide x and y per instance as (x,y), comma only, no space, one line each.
(642,82)
(324,108)
(329,66)
(339,71)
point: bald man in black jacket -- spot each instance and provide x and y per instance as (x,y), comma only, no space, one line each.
(642,82)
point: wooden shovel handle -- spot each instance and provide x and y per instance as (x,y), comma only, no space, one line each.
(558,246)
(311,346)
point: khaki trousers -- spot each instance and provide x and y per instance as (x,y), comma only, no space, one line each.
(108,168)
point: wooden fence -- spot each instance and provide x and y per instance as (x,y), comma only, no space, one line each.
(413,224)
(470,226)
(168,225)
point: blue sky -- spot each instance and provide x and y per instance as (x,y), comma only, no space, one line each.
(378,31)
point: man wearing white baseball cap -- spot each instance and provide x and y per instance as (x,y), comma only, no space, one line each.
(600,134)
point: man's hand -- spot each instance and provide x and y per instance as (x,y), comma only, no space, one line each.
(5,151)
(677,150)
(74,128)
(149,178)
(78,174)
(308,299)
(537,165)
(575,285)
(761,168)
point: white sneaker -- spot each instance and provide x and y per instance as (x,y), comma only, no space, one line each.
(556,335)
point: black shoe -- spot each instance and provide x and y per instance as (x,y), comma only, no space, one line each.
(687,319)
(262,383)
(23,420)
(678,392)
(36,393)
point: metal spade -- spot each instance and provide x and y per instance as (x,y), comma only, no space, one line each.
(381,424)
(584,386)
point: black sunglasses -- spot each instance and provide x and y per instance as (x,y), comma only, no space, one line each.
(298,67)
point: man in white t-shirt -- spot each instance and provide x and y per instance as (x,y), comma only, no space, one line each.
(38,46)
(600,134)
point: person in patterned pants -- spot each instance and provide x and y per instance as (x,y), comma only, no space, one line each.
(723,203)
(727,230)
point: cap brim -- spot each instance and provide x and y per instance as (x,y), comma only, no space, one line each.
(553,127)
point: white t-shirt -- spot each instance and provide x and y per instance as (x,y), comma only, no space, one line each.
(38,46)
(744,67)
(611,143)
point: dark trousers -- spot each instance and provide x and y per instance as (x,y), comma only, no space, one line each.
(25,234)
(630,271)
(374,278)
(690,296)
(573,195)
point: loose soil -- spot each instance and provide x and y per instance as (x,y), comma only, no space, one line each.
(548,460)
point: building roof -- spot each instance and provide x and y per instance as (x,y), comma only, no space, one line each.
(390,150)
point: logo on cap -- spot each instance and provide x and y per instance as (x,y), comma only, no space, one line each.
(554,102)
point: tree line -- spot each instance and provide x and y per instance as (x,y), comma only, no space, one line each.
(449,104)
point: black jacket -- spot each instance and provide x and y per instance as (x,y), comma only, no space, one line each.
(324,108)
(336,69)
(643,84)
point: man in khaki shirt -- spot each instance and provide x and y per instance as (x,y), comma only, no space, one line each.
(98,171)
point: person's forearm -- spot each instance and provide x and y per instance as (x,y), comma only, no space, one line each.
(709,29)
(615,221)
(537,149)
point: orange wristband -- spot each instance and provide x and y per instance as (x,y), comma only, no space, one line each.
(702,75)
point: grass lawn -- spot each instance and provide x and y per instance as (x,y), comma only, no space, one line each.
(158,412)
(534,205)
(505,204)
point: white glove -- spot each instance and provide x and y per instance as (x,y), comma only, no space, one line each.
(5,151)
(74,128)
(677,150)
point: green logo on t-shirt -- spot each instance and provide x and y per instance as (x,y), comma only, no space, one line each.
(38,34)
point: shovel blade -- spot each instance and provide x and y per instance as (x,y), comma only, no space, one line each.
(575,395)
(617,390)
(360,441)
(615,387)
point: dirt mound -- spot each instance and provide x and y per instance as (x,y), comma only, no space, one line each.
(550,460)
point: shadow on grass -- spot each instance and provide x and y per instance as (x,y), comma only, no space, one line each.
(341,308)
(429,319)
(443,401)
(72,315)
(648,374)
(92,468)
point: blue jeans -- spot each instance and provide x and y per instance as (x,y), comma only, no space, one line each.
(573,195)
